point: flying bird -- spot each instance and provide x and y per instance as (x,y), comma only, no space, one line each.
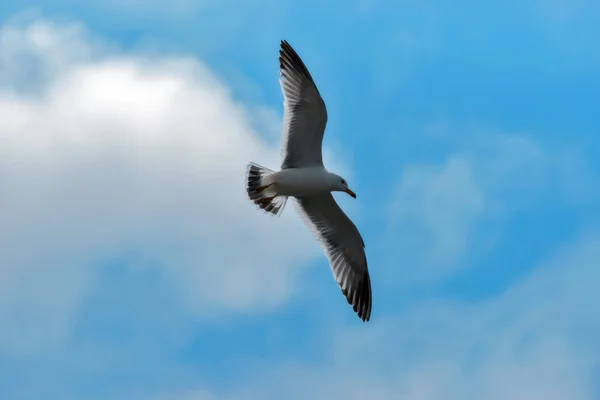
(304,177)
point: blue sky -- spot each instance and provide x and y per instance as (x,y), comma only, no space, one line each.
(132,265)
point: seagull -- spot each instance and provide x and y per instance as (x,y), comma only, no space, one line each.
(304,177)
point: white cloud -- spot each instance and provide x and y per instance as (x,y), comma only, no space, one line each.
(113,154)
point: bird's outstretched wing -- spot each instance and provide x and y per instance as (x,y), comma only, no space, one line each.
(305,115)
(343,246)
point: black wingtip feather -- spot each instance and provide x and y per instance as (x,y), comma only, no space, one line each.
(289,60)
(361,299)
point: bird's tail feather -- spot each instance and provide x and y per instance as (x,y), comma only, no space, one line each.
(258,192)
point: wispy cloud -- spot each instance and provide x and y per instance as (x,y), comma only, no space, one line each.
(525,343)
(435,210)
(443,211)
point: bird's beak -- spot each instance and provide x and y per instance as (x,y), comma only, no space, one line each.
(350,192)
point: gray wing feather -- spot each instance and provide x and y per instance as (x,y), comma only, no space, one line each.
(344,248)
(305,115)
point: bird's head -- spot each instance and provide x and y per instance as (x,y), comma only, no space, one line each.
(340,185)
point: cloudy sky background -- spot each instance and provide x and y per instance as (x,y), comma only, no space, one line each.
(132,266)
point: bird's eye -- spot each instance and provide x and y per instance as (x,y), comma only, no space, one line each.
(343,182)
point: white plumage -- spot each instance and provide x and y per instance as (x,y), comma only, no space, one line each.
(304,177)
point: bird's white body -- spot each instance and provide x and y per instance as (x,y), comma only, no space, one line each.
(298,182)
